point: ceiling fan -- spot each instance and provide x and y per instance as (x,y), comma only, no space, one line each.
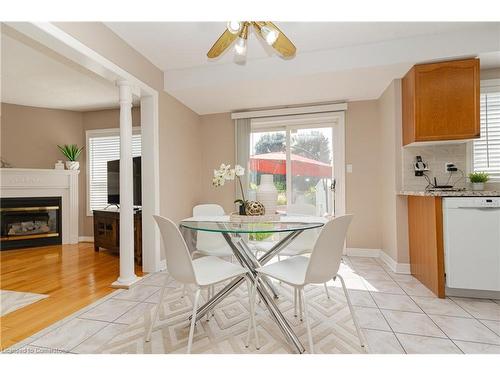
(238,30)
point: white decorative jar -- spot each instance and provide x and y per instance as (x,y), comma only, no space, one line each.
(477,186)
(72,165)
(59,165)
(267,193)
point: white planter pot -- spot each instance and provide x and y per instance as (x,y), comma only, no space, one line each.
(478,186)
(72,165)
(267,193)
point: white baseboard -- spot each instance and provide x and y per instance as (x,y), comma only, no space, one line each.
(86,239)
(395,267)
(403,268)
(359,252)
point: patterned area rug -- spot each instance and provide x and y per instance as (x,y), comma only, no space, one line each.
(12,301)
(225,333)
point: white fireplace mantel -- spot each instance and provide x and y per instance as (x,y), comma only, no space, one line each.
(20,182)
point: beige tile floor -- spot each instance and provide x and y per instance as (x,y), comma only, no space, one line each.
(397,313)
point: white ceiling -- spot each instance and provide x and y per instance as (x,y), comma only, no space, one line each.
(34,75)
(335,61)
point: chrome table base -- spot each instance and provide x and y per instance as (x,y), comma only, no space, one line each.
(248,260)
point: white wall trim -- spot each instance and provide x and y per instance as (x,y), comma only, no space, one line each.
(85,239)
(290,111)
(403,268)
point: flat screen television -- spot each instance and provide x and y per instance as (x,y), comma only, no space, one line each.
(114,181)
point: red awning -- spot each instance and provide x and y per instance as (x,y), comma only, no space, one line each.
(275,163)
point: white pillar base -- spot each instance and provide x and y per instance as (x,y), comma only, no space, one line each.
(125,284)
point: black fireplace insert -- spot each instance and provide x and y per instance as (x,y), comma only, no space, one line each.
(30,222)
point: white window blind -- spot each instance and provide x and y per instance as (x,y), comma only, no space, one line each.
(103,146)
(486,151)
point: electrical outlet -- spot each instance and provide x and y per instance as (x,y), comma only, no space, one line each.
(450,167)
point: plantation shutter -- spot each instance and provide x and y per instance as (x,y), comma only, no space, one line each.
(101,149)
(486,154)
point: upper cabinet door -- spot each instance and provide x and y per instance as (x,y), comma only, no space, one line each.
(441,102)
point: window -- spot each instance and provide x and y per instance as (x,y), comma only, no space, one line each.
(102,146)
(486,150)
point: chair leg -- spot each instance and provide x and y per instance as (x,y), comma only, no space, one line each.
(295,301)
(250,301)
(354,318)
(193,320)
(300,304)
(209,295)
(157,310)
(308,326)
(326,290)
(184,290)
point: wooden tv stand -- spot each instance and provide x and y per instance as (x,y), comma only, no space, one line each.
(107,232)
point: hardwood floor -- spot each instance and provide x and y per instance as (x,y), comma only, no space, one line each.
(72,275)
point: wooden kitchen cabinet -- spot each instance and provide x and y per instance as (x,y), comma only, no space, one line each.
(425,230)
(441,102)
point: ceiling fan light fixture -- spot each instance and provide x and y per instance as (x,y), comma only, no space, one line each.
(240,46)
(269,35)
(234,27)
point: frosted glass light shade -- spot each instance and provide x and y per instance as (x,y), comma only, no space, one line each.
(270,35)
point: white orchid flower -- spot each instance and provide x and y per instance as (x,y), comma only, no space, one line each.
(239,170)
(230,174)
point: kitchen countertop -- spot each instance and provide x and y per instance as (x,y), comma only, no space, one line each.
(462,193)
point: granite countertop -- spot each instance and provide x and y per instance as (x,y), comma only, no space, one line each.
(445,193)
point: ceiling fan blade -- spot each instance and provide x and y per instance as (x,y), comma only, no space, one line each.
(224,41)
(283,45)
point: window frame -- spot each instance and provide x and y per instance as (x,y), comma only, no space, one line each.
(335,120)
(486,86)
(95,133)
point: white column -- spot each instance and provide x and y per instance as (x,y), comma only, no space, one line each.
(127,274)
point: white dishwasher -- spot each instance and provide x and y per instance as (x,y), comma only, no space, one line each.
(471,229)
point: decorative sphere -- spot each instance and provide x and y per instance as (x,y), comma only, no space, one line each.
(254,208)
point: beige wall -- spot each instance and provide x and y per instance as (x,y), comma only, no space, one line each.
(394,215)
(30,135)
(217,146)
(362,132)
(180,158)
(362,186)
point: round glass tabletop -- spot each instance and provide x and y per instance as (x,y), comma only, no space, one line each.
(236,227)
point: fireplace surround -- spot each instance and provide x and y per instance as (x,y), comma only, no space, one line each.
(42,183)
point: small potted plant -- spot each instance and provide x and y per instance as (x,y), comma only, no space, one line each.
(225,173)
(72,152)
(478,179)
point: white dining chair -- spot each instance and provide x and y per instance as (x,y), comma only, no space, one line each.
(207,243)
(203,272)
(322,265)
(303,244)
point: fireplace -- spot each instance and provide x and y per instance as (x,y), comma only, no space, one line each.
(30,222)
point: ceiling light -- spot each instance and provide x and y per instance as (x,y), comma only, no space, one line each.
(241,46)
(237,32)
(234,27)
(269,35)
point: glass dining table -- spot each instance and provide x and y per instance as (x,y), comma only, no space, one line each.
(236,234)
